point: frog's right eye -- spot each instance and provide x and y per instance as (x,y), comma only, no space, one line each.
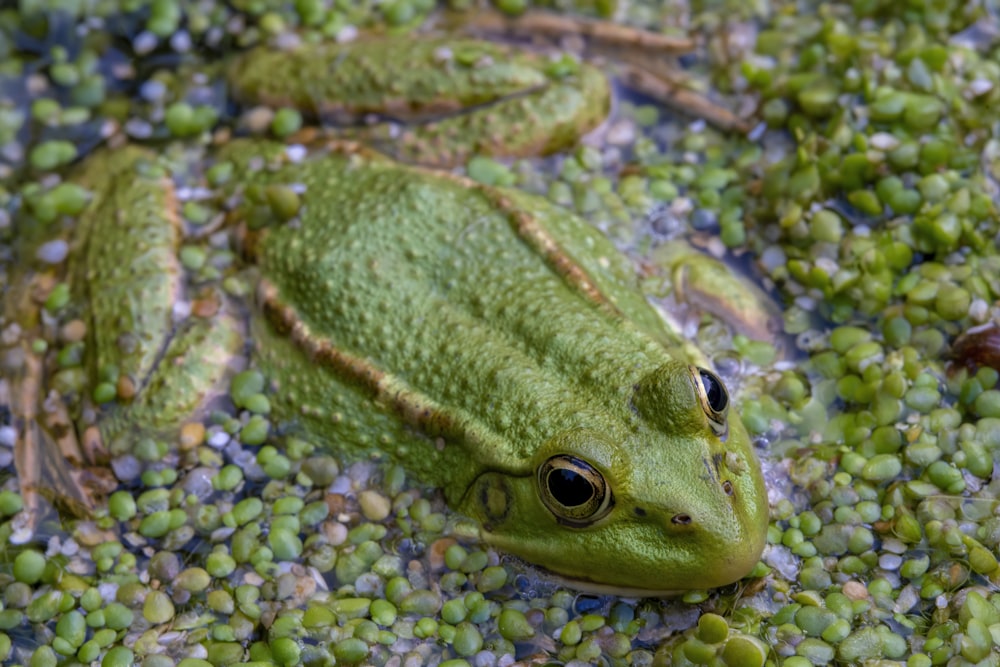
(573,490)
(714,399)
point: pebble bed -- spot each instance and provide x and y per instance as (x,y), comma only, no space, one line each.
(865,199)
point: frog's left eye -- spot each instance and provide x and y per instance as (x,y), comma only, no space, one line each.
(573,490)
(714,399)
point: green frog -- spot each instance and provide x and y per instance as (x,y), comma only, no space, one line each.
(492,343)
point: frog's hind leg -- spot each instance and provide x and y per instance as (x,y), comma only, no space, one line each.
(168,368)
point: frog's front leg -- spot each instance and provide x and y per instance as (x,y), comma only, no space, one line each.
(709,285)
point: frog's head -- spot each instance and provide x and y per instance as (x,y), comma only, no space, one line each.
(677,502)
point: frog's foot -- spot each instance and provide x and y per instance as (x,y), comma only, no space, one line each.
(187,381)
(639,58)
(699,284)
(54,475)
(52,470)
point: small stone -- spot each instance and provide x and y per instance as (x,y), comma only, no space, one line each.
(53,252)
(192,435)
(855,590)
(73,331)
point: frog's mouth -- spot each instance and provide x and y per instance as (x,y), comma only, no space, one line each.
(603,589)
(549,577)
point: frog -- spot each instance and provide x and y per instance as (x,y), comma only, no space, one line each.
(495,345)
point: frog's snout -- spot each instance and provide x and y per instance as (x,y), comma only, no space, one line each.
(710,522)
(722,539)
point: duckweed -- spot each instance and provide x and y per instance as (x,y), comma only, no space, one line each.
(286,121)
(254,432)
(374,505)
(51,154)
(119,656)
(467,641)
(286,651)
(193,579)
(420,602)
(513,625)
(29,566)
(183,120)
(157,608)
(227,478)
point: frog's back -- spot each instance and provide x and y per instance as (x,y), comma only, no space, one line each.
(415,274)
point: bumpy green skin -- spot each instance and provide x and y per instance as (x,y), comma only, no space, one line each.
(471,333)
(523,107)
(127,272)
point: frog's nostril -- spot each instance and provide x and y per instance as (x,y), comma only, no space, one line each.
(681,519)
(727,487)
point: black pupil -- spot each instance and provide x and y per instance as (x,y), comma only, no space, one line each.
(569,488)
(713,389)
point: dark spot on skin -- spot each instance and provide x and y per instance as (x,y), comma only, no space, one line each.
(484,495)
(631,401)
(681,520)
(639,511)
(727,486)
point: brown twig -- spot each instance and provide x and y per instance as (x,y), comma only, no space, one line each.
(555,26)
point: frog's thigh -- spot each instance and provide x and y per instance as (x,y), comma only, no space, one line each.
(129,267)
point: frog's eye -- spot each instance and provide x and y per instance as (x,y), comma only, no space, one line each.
(573,490)
(714,399)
